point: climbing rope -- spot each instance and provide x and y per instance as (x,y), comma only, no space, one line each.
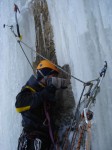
(83,129)
(59,67)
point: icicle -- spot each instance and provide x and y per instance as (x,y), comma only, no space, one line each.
(88,137)
(38,37)
(49,37)
(41,21)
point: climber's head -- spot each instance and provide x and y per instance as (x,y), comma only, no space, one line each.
(46,68)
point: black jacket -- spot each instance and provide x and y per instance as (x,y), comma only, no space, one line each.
(30,103)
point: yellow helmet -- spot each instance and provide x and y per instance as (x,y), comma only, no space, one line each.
(47,64)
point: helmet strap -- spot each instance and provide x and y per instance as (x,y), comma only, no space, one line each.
(45,77)
(41,73)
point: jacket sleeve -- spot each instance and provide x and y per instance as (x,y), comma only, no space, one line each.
(28,99)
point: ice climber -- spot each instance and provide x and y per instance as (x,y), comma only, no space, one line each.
(35,102)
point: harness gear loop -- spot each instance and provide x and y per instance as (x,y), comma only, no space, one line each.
(22,142)
(37,144)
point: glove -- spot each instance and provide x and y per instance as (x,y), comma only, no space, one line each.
(48,93)
(58,82)
(51,89)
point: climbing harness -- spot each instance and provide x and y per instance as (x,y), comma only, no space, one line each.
(24,140)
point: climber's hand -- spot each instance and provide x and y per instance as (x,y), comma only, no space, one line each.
(58,82)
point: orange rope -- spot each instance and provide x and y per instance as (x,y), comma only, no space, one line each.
(88,138)
(66,139)
(73,140)
(84,128)
(80,137)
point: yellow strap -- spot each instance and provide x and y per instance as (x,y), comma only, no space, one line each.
(28,87)
(20,37)
(33,90)
(21,109)
(41,84)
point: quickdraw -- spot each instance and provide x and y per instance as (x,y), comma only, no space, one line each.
(84,106)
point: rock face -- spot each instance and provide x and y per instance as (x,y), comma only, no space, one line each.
(65,103)
(44,33)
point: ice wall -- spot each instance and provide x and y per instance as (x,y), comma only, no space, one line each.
(83,39)
(14,68)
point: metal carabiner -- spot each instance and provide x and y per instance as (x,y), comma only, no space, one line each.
(37,144)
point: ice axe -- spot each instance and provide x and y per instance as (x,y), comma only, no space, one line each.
(11,27)
(16,9)
(4,25)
